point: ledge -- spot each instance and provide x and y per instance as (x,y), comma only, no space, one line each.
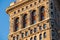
(16,4)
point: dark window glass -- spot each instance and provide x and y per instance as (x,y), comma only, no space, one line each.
(51,5)
(17,37)
(40,37)
(22,35)
(44,26)
(30,4)
(22,9)
(53,39)
(53,33)
(44,34)
(13,38)
(26,33)
(31,38)
(18,10)
(33,14)
(26,7)
(40,27)
(39,1)
(35,3)
(31,31)
(42,13)
(24,20)
(14,12)
(34,37)
(35,30)
(16,24)
(52,24)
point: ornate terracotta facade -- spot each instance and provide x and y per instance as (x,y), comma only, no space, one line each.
(34,20)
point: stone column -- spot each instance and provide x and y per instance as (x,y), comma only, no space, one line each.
(20,21)
(28,19)
(11,24)
(37,15)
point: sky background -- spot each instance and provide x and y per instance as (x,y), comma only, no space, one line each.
(4,19)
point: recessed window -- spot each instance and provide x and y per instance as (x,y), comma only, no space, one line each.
(17,37)
(26,39)
(24,20)
(26,33)
(35,38)
(40,27)
(39,1)
(15,12)
(22,9)
(53,39)
(35,3)
(52,14)
(52,24)
(35,30)
(16,24)
(18,10)
(42,13)
(44,34)
(31,38)
(51,5)
(26,7)
(53,33)
(31,31)
(30,5)
(44,26)
(22,35)
(47,2)
(32,18)
(42,9)
(40,37)
(13,38)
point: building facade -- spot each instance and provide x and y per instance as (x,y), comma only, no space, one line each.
(34,20)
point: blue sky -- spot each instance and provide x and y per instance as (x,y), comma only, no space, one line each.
(4,19)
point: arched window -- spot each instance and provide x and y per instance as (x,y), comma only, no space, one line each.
(44,34)
(14,38)
(35,30)
(44,26)
(17,37)
(31,38)
(31,31)
(22,34)
(40,37)
(24,20)
(26,33)
(32,18)
(35,38)
(42,13)
(16,24)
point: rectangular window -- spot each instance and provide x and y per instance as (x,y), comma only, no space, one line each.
(31,31)
(32,18)
(26,33)
(41,13)
(24,20)
(35,30)
(22,35)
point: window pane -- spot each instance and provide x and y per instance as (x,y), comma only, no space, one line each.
(44,26)
(44,34)
(34,37)
(22,35)
(31,31)
(26,34)
(31,38)
(35,30)
(40,37)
